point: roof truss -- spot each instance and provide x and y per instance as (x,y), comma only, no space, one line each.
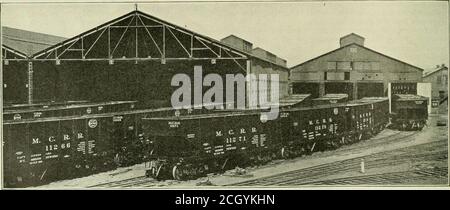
(137,36)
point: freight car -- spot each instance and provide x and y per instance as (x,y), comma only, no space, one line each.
(62,110)
(380,109)
(41,150)
(323,127)
(409,112)
(187,147)
(38,151)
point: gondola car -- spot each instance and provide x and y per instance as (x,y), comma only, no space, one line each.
(56,147)
(409,112)
(38,151)
(190,146)
(380,111)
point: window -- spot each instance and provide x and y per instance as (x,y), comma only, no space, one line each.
(346,75)
(331,65)
(324,75)
(343,65)
(444,79)
(438,79)
(366,65)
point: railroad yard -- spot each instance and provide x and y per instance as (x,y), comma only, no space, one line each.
(127,104)
(402,158)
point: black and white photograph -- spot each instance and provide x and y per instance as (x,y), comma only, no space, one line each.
(224,95)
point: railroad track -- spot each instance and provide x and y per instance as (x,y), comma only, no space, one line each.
(399,136)
(123,183)
(388,178)
(311,174)
(383,159)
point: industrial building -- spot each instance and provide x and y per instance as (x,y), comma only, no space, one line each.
(355,70)
(263,62)
(17,46)
(132,57)
(438,77)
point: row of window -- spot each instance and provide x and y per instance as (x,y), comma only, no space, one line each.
(353,65)
(404,87)
(346,76)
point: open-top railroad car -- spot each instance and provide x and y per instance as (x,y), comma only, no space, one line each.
(68,142)
(187,147)
(409,112)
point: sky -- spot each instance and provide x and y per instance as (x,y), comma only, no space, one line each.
(414,32)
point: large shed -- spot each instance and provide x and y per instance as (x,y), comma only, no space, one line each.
(134,57)
(355,70)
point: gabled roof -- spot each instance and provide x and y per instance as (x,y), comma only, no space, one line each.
(113,32)
(354,44)
(236,37)
(252,55)
(28,42)
(351,34)
(429,72)
(152,36)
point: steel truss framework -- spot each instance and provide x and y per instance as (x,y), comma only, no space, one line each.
(137,36)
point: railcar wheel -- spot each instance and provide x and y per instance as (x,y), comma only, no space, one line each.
(343,140)
(287,153)
(177,174)
(403,127)
(153,172)
(199,171)
(348,139)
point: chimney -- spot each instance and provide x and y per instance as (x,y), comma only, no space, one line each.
(351,39)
